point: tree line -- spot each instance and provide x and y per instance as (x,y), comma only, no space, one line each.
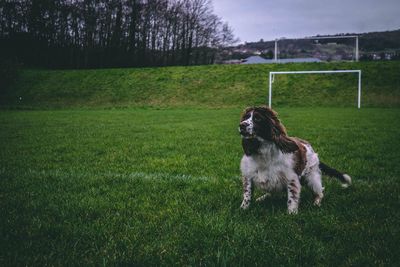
(111,33)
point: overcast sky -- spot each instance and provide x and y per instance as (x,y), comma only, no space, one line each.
(252,20)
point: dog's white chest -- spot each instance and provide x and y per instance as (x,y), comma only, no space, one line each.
(271,175)
(268,170)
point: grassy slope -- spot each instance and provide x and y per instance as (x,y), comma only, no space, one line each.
(206,86)
(153,187)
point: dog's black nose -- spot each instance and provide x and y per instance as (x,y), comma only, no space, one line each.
(242,127)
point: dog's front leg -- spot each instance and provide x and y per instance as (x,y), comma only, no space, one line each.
(246,192)
(294,189)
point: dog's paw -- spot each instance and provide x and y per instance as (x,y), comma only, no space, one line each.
(318,199)
(245,205)
(317,202)
(293,210)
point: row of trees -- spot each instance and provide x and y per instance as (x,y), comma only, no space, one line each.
(110,33)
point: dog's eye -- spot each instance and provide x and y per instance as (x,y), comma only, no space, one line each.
(257,119)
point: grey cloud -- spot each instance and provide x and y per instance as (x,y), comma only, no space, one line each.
(255,19)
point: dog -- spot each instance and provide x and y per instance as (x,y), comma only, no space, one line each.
(274,161)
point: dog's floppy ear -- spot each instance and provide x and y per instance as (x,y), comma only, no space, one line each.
(286,144)
(278,132)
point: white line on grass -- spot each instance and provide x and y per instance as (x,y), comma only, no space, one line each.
(61,173)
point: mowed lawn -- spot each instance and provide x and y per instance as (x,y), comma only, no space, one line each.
(162,187)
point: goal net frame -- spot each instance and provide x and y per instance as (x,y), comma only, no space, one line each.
(273,73)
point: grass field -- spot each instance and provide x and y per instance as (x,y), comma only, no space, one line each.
(147,186)
(213,86)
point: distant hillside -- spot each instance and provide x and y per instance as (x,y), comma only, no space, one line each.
(204,86)
(379,41)
(372,45)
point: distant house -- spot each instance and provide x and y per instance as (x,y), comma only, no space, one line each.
(376,57)
(261,60)
(256,60)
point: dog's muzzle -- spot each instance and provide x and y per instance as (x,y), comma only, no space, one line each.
(245,130)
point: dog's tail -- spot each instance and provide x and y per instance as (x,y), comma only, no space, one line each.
(344,178)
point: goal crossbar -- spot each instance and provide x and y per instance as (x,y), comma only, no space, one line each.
(273,73)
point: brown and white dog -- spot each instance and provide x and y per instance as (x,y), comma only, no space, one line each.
(273,161)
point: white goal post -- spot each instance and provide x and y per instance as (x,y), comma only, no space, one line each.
(273,73)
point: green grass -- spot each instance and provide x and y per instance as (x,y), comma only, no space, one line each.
(161,187)
(141,167)
(205,86)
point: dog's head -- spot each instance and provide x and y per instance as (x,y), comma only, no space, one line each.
(262,124)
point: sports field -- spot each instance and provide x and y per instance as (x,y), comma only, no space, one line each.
(161,186)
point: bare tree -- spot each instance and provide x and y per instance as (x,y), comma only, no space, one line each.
(107,33)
